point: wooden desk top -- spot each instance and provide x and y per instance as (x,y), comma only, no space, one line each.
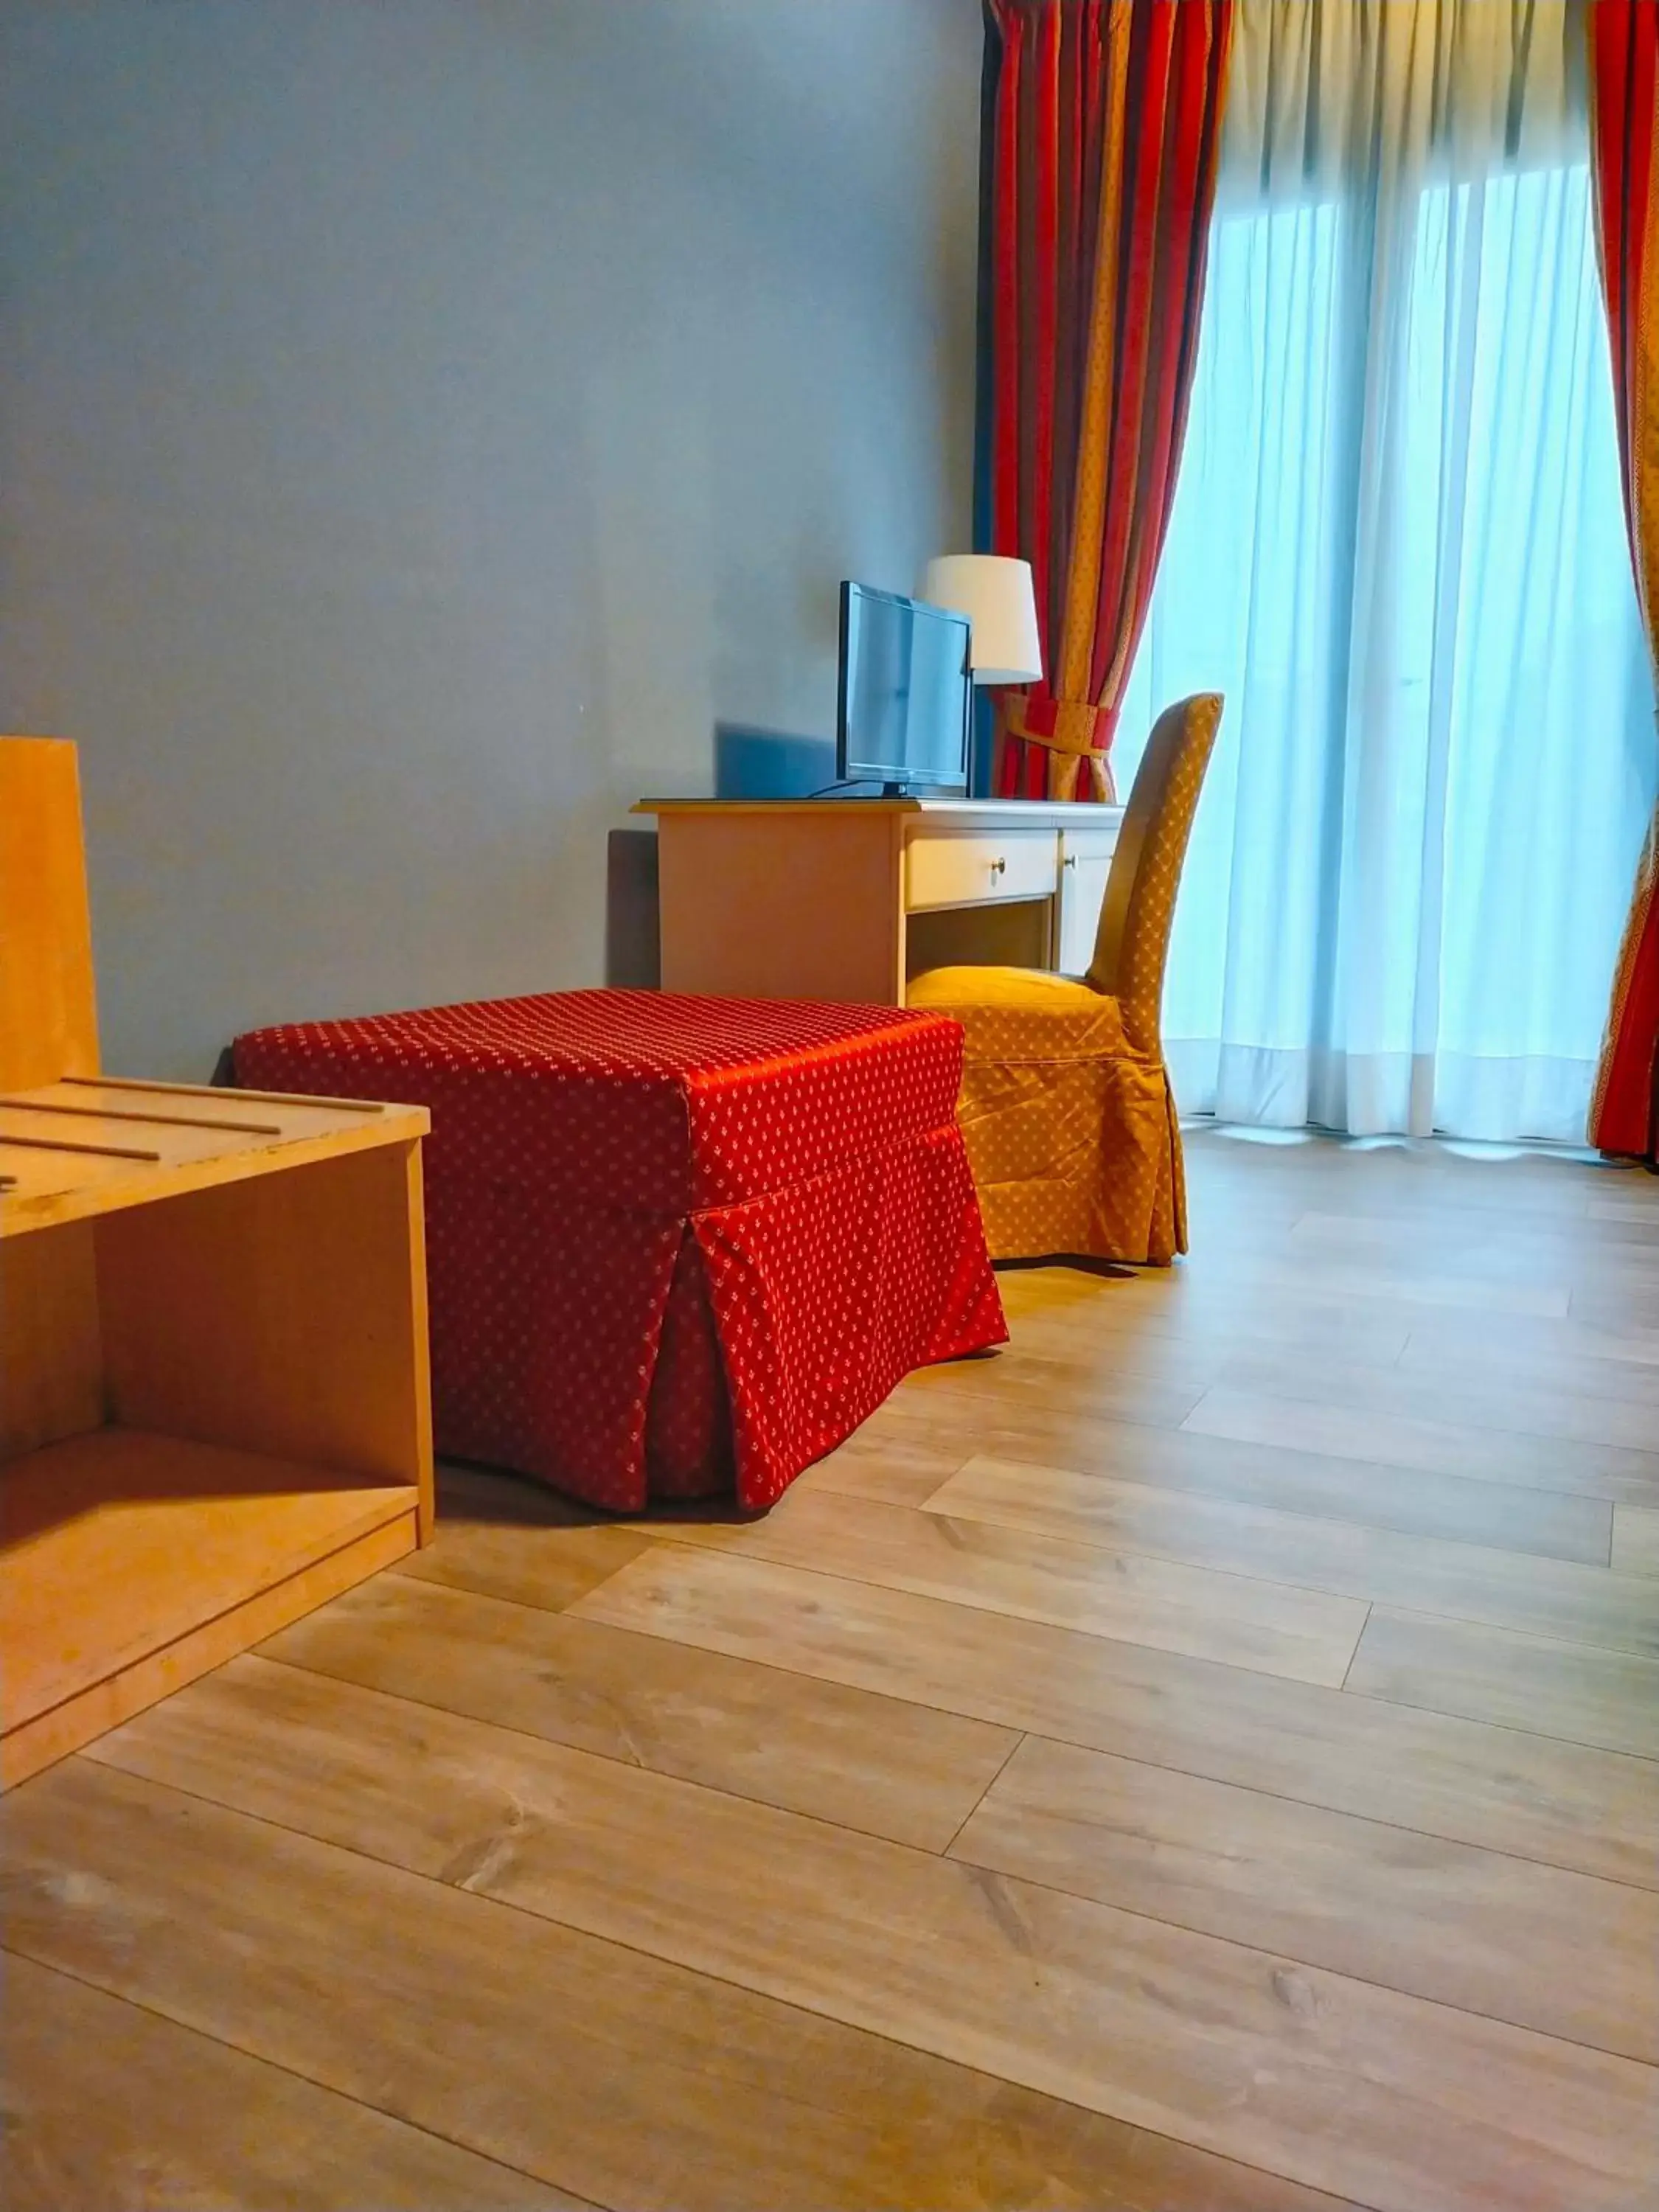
(91,1145)
(945,813)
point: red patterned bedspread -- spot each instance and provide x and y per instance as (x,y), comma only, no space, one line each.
(674,1244)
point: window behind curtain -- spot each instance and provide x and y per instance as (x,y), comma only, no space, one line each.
(1398,548)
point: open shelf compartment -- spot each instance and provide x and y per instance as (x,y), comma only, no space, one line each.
(130,1562)
(214,1402)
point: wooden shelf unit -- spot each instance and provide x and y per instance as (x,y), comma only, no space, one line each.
(215,1406)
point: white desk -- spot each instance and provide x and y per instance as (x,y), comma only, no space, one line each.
(845,898)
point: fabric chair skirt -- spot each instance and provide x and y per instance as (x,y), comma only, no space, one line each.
(1078,1157)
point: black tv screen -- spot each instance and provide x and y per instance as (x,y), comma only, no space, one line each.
(902,717)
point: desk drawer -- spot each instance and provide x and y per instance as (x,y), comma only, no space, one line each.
(1086,861)
(1085,845)
(1019,864)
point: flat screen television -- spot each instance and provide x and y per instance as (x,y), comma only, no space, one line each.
(902,715)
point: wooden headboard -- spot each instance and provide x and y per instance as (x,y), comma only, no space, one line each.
(48,1006)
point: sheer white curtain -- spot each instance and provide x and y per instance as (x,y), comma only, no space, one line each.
(1398,549)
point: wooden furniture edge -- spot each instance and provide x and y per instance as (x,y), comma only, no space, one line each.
(426,1503)
(48,997)
(940,813)
(828,807)
(231,1091)
(153,1180)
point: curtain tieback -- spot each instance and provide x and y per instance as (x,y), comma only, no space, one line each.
(1076,726)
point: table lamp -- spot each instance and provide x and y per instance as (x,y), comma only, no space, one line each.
(995,593)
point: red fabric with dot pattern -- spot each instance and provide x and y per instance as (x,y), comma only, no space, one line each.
(674,1244)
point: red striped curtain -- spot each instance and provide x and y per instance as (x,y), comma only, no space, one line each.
(1105,116)
(1623,60)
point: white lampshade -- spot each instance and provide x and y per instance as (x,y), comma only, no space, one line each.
(995,593)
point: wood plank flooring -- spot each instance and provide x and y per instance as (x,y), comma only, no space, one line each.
(1203,1758)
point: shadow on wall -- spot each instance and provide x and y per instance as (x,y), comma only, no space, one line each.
(633,953)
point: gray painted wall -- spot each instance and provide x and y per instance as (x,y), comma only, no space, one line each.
(419,420)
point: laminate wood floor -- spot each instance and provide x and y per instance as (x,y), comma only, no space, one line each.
(1202,1758)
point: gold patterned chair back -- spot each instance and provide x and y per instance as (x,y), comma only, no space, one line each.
(1132,944)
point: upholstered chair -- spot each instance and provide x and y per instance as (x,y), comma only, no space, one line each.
(1066,1106)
